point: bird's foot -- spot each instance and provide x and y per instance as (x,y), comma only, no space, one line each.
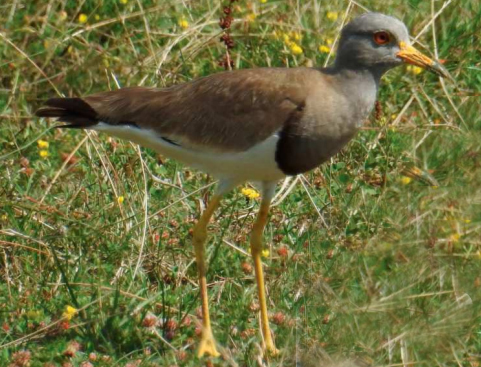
(207,345)
(271,349)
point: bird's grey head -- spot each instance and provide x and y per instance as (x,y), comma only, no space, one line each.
(379,42)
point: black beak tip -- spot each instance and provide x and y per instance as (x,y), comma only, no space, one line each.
(440,70)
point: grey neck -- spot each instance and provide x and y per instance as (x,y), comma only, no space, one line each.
(360,87)
(362,76)
(357,81)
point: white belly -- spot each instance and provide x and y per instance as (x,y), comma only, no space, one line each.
(255,164)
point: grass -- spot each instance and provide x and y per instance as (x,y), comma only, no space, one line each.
(103,226)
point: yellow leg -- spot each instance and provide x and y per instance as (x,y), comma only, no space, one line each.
(256,251)
(207,342)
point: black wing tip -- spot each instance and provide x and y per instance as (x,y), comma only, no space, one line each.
(49,112)
(77,113)
(72,126)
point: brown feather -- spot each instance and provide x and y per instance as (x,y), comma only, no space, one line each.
(228,111)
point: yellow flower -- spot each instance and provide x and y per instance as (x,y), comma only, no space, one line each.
(183,23)
(251,17)
(296,35)
(406,180)
(97,17)
(415,70)
(250,193)
(264,253)
(295,48)
(467,221)
(44,153)
(123,2)
(263,1)
(82,18)
(286,38)
(332,16)
(69,312)
(120,199)
(324,49)
(42,144)
(455,237)
(329,41)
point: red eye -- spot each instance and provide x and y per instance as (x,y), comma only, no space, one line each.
(382,38)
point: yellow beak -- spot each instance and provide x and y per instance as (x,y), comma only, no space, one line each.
(412,56)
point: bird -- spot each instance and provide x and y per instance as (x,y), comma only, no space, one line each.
(253,125)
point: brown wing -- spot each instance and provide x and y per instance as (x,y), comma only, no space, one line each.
(228,111)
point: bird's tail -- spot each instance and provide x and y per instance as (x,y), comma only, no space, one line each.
(74,111)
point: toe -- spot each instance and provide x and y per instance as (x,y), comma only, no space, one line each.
(207,346)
